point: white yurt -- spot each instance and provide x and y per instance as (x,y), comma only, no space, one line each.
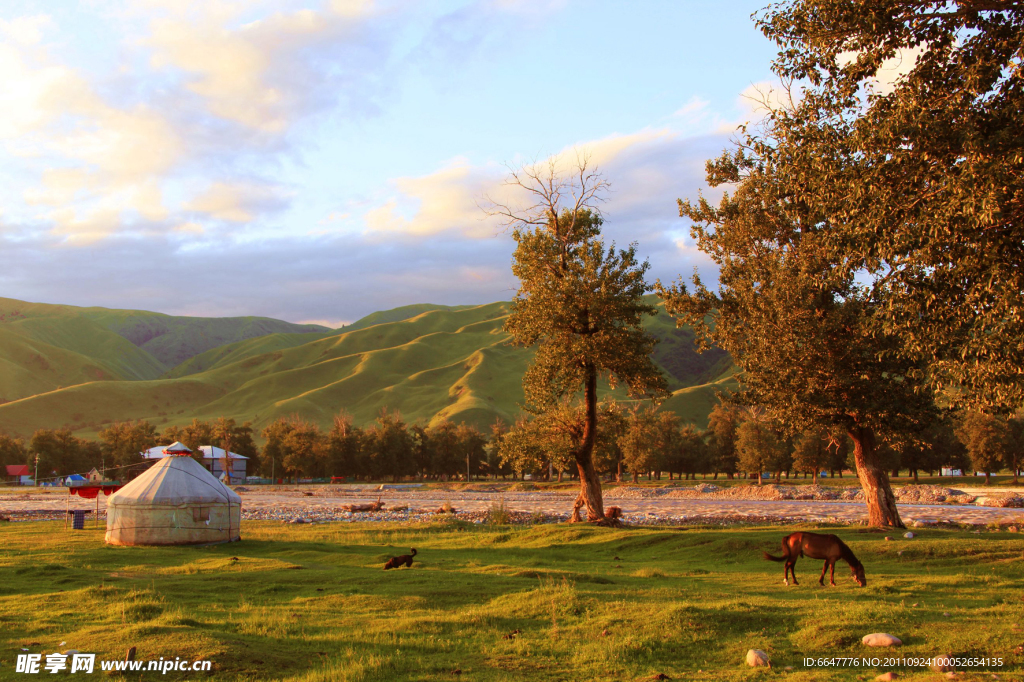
(176,502)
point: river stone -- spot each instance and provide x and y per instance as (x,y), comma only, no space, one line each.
(942,663)
(887,677)
(881,639)
(757,658)
(908,535)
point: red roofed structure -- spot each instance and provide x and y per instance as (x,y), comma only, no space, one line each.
(18,473)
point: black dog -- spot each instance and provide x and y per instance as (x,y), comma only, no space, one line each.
(398,561)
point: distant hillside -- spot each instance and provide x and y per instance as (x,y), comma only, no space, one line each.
(442,363)
(398,314)
(46,347)
(227,354)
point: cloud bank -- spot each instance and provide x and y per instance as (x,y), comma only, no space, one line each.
(170,170)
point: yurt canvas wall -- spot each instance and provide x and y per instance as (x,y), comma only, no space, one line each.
(176,502)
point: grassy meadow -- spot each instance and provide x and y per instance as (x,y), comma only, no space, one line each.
(551,602)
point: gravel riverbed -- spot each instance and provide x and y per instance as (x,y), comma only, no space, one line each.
(703,504)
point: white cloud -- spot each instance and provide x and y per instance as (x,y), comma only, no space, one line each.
(647,169)
(262,74)
(237,202)
(25,30)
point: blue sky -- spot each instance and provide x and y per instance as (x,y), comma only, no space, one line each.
(317,161)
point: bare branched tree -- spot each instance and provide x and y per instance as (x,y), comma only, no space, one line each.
(548,192)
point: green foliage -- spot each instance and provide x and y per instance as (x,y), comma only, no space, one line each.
(388,447)
(642,442)
(582,307)
(760,449)
(122,442)
(812,452)
(805,333)
(12,450)
(922,180)
(990,443)
(531,445)
(60,453)
(722,424)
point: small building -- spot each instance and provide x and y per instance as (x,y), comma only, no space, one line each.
(213,460)
(19,474)
(94,476)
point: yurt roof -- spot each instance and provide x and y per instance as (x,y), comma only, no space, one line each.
(175,481)
(177,446)
(209,452)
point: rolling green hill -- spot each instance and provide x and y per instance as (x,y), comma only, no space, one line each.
(46,347)
(429,362)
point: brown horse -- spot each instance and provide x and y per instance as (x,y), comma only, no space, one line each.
(817,546)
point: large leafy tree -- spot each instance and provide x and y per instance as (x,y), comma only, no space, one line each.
(59,452)
(722,424)
(803,330)
(389,447)
(12,450)
(811,452)
(990,442)
(922,177)
(641,441)
(580,304)
(122,443)
(344,447)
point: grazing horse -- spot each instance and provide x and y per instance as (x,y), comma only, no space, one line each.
(817,546)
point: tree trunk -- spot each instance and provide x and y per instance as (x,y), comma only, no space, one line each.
(815,479)
(913,472)
(559,475)
(881,502)
(618,471)
(634,477)
(590,482)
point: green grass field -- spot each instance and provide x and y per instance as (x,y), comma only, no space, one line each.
(312,603)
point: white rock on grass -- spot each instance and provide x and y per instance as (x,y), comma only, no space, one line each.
(887,677)
(881,639)
(757,658)
(908,535)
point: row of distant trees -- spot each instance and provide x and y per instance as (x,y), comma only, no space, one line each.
(741,441)
(293,448)
(631,442)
